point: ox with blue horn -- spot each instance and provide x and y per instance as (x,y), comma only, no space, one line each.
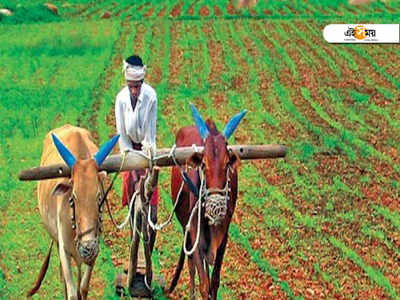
(71,208)
(204,194)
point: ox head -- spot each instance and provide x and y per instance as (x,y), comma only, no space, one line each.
(86,194)
(218,166)
(216,158)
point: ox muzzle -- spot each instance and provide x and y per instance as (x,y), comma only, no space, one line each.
(216,201)
(88,250)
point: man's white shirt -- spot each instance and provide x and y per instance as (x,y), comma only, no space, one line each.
(137,125)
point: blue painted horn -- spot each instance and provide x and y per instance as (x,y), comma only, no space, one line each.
(69,158)
(66,155)
(105,150)
(200,124)
(232,124)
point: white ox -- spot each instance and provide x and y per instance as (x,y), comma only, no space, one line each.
(71,207)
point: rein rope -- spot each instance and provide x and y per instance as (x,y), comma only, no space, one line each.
(187,227)
(159,227)
(123,224)
(213,200)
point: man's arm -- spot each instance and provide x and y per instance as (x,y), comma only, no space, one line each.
(124,140)
(150,136)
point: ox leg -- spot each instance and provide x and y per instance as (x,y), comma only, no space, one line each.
(62,279)
(65,290)
(204,281)
(62,276)
(85,282)
(217,268)
(67,274)
(192,272)
(198,261)
(65,258)
(78,284)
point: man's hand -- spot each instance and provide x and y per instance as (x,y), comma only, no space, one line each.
(148,148)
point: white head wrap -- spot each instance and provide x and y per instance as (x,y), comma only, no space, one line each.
(134,73)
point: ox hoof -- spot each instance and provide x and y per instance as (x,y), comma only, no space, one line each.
(120,279)
(138,287)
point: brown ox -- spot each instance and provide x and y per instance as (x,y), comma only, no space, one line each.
(218,168)
(71,207)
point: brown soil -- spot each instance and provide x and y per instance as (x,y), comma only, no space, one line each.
(95,13)
(215,51)
(149,12)
(217,11)
(176,11)
(231,8)
(297,271)
(176,58)
(109,74)
(357,81)
(162,12)
(286,78)
(302,206)
(267,12)
(126,8)
(154,75)
(204,12)
(82,9)
(292,10)
(141,7)
(190,11)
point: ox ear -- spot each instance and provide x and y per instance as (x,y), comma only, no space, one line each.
(232,124)
(61,189)
(195,159)
(105,150)
(234,159)
(66,155)
(200,124)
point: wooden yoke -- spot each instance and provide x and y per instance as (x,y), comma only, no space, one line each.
(137,160)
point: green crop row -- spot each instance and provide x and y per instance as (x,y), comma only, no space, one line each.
(263,264)
(345,134)
(372,273)
(309,221)
(349,58)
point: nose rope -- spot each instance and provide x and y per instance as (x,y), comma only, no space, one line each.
(216,203)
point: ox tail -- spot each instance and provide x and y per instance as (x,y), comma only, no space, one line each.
(178,271)
(42,273)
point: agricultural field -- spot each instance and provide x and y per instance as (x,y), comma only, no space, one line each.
(322,223)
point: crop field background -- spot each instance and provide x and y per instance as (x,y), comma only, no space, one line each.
(322,223)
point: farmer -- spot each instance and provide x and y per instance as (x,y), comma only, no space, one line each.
(135,117)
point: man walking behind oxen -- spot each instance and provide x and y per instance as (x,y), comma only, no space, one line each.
(136,119)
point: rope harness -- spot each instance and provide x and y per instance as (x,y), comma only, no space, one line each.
(75,225)
(213,200)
